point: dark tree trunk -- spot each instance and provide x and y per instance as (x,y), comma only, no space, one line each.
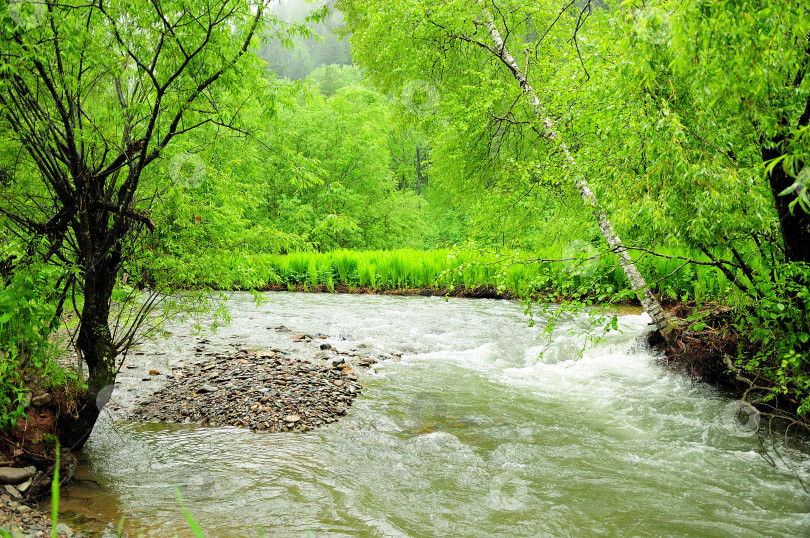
(96,347)
(795,227)
(418,172)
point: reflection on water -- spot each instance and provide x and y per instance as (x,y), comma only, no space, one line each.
(468,435)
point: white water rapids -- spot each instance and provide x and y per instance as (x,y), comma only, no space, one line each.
(470,434)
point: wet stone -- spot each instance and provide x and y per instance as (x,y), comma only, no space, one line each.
(265,391)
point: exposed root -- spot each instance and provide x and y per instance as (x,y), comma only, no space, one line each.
(708,355)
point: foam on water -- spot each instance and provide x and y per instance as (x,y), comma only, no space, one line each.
(472,433)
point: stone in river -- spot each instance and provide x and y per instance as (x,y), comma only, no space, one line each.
(339,382)
(207,388)
(292,418)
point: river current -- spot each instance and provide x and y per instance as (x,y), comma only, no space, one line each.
(471,433)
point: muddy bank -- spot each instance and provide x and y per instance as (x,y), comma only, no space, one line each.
(478,292)
(708,353)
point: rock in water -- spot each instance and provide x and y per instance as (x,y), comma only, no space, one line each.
(292,418)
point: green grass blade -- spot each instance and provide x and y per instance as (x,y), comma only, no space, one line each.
(195,528)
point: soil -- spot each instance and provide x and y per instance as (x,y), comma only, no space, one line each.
(479,292)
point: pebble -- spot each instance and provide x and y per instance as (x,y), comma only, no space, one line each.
(42,399)
(11,490)
(266,391)
(20,520)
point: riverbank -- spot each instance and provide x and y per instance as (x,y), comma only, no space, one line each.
(23,521)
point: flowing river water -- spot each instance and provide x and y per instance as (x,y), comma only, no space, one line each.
(469,434)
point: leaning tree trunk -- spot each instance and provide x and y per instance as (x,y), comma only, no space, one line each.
(651,305)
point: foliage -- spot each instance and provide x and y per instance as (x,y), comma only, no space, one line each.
(515,272)
(27,320)
(686,145)
(297,57)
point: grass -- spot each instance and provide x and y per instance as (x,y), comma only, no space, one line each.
(510,272)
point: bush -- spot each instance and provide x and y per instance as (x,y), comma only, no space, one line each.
(25,324)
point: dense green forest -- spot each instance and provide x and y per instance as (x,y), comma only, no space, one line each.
(590,152)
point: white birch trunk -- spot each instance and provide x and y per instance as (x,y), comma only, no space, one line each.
(651,305)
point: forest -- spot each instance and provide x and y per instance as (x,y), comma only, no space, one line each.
(581,159)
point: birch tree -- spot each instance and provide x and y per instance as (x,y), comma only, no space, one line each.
(651,305)
(464,26)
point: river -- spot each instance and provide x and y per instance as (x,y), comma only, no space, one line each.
(469,434)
